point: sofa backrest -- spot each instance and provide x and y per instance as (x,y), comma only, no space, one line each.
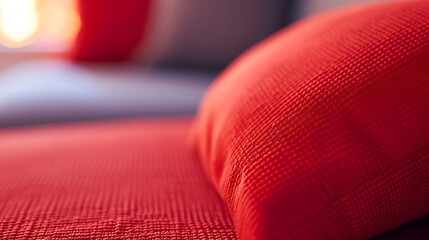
(206,33)
(309,7)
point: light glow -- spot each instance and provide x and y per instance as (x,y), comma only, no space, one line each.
(19,22)
(59,20)
(45,24)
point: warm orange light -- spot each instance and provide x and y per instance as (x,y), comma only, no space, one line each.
(59,21)
(18,22)
(44,22)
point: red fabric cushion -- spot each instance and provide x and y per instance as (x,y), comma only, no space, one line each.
(322,131)
(111,30)
(119,180)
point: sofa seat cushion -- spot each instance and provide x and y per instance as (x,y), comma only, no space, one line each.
(114,180)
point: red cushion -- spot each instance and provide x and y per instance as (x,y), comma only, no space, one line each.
(119,180)
(322,131)
(111,30)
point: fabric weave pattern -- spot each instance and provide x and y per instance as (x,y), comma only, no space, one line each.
(322,131)
(118,180)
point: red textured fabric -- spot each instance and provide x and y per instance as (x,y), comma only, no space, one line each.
(120,180)
(111,30)
(322,131)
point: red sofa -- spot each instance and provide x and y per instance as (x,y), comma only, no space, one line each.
(319,132)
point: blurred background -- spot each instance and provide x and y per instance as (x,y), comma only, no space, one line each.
(75,60)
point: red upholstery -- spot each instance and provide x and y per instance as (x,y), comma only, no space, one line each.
(111,30)
(123,180)
(322,131)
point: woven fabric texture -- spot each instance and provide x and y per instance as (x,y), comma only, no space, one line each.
(124,180)
(322,131)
